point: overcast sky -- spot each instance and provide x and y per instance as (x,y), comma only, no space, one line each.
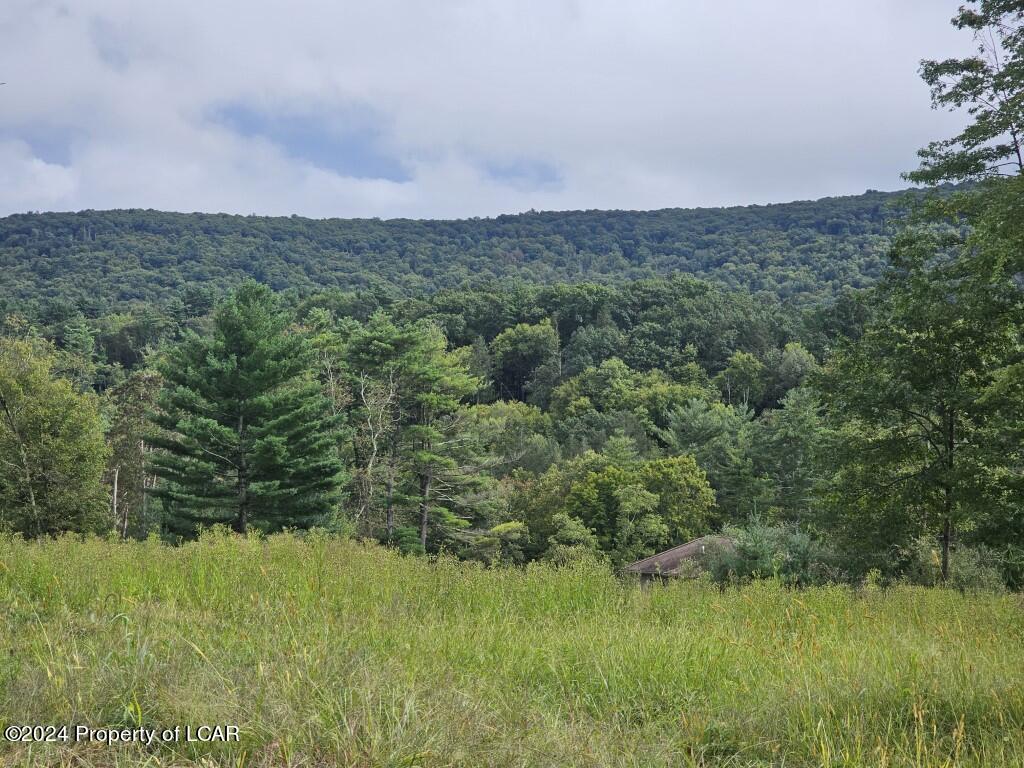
(455,108)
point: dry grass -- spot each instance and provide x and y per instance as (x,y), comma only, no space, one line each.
(326,652)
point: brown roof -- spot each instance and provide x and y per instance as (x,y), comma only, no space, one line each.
(667,563)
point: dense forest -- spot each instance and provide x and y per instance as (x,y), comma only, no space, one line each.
(839,390)
(102,261)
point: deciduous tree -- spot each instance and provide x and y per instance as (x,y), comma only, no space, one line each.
(52,452)
(990,86)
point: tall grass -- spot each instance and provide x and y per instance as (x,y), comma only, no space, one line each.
(327,652)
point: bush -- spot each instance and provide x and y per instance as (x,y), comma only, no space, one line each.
(571,542)
(971,568)
(407,539)
(765,551)
(502,544)
(1012,565)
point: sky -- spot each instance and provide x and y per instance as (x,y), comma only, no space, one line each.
(460,108)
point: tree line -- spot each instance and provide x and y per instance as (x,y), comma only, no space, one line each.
(101,262)
(876,432)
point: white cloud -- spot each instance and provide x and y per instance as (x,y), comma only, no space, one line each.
(28,183)
(631,105)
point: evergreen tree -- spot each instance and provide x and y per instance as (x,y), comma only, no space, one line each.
(787,446)
(420,386)
(246,438)
(721,438)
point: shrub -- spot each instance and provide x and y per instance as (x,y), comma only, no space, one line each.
(765,551)
(407,539)
(502,544)
(572,541)
(971,569)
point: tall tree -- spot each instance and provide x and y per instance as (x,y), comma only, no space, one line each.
(915,454)
(788,446)
(722,439)
(410,392)
(743,382)
(990,85)
(245,434)
(527,360)
(129,405)
(377,355)
(52,452)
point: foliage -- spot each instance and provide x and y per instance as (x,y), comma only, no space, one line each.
(789,451)
(571,541)
(990,86)
(100,262)
(513,436)
(525,358)
(558,386)
(914,403)
(760,551)
(129,404)
(638,507)
(410,388)
(977,568)
(502,544)
(52,452)
(742,382)
(245,435)
(722,440)
(599,402)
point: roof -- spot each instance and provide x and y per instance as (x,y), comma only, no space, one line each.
(667,563)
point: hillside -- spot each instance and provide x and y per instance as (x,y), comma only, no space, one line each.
(102,260)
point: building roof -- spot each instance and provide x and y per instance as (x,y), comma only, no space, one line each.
(667,563)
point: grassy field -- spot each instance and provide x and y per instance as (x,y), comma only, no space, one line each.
(326,652)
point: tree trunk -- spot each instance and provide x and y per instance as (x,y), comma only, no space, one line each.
(946,536)
(144,502)
(25,464)
(242,518)
(389,505)
(424,507)
(113,506)
(947,522)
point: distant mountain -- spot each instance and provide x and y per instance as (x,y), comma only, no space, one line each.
(103,260)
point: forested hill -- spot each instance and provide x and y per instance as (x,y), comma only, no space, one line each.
(100,260)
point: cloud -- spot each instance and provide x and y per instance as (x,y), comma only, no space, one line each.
(29,183)
(461,108)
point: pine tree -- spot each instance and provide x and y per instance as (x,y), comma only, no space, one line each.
(441,466)
(245,433)
(426,462)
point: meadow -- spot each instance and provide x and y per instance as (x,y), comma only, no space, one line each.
(329,652)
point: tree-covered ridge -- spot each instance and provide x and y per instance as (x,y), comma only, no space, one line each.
(105,259)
